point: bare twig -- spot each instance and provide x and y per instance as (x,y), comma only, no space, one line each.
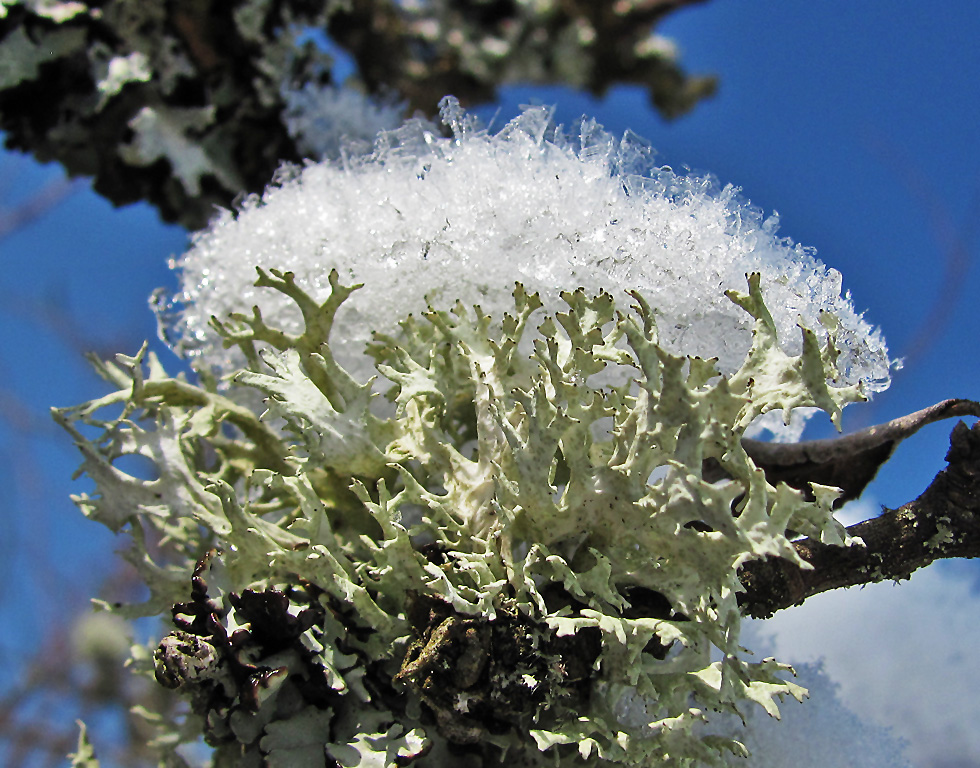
(39,204)
(849,462)
(944,522)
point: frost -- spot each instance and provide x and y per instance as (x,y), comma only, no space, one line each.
(427,219)
(326,119)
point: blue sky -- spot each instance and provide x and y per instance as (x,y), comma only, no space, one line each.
(857,122)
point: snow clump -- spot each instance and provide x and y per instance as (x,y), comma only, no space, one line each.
(429,219)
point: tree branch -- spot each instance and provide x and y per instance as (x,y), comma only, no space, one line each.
(182,103)
(943,522)
(471,49)
(175,103)
(849,462)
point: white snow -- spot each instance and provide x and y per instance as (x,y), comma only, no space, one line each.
(820,732)
(427,217)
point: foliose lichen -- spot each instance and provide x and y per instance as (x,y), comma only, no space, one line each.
(486,552)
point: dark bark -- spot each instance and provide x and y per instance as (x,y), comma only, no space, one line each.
(849,462)
(209,95)
(943,522)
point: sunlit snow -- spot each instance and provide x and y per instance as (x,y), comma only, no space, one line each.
(433,218)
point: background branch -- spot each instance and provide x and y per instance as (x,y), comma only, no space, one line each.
(183,104)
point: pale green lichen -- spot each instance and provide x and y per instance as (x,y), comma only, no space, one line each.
(120,70)
(24,57)
(164,132)
(49,9)
(84,754)
(486,496)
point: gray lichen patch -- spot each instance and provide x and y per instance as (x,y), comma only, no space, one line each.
(546,571)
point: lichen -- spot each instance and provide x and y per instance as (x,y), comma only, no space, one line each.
(487,547)
(180,104)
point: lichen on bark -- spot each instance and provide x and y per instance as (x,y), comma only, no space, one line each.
(488,547)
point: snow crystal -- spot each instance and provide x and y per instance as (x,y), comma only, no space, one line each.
(324,120)
(433,218)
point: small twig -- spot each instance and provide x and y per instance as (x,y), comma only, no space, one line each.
(944,522)
(849,462)
(21,215)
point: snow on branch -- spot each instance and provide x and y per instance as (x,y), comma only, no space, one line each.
(427,219)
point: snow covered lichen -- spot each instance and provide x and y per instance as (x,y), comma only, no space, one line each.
(428,218)
(473,533)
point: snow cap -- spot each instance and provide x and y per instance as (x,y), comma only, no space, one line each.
(428,218)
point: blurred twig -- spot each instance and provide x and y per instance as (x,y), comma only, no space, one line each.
(12,219)
(50,682)
(956,243)
(67,677)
